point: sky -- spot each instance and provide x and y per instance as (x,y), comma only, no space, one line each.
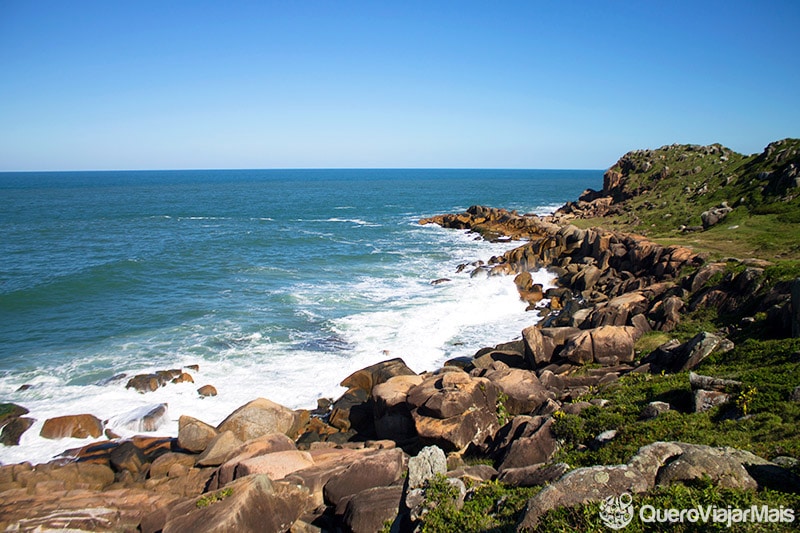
(90,85)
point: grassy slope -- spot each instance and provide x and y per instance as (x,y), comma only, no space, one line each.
(766,224)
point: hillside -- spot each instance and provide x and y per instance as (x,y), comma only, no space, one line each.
(663,194)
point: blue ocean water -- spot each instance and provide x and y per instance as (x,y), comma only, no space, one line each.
(277,283)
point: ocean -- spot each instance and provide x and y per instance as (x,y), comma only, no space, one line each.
(277,283)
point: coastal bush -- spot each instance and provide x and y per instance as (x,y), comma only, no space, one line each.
(488,506)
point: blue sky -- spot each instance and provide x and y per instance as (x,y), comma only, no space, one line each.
(313,83)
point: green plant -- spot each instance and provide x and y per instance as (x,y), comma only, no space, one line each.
(745,398)
(503,416)
(569,428)
(213,497)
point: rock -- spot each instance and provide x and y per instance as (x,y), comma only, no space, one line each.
(368,510)
(9,411)
(532,445)
(14,429)
(523,391)
(596,483)
(795,397)
(607,345)
(697,382)
(261,417)
(701,346)
(705,400)
(219,449)
(714,216)
(653,409)
(535,353)
(368,377)
(164,464)
(145,418)
(276,465)
(183,378)
(392,414)
(380,469)
(268,444)
(454,409)
(207,390)
(251,504)
(194,435)
(474,473)
(353,410)
(533,475)
(724,466)
(430,461)
(127,456)
(144,383)
(72,426)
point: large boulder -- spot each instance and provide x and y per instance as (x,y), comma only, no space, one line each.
(14,429)
(532,443)
(368,377)
(430,461)
(368,510)
(607,345)
(251,504)
(73,426)
(392,414)
(377,470)
(523,391)
(454,409)
(261,417)
(276,465)
(193,434)
(268,444)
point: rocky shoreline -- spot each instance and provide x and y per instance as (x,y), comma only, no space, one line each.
(367,461)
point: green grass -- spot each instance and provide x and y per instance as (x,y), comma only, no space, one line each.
(489,507)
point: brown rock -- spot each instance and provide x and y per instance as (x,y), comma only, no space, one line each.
(219,449)
(194,435)
(73,426)
(392,415)
(368,377)
(276,465)
(145,382)
(163,464)
(535,353)
(275,442)
(533,475)
(368,510)
(14,429)
(251,504)
(524,393)
(261,417)
(532,446)
(380,469)
(183,378)
(207,390)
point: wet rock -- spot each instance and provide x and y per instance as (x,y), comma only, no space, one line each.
(193,434)
(146,418)
(144,383)
(14,429)
(207,390)
(72,426)
(10,411)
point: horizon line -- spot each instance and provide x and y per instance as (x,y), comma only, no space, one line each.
(201,169)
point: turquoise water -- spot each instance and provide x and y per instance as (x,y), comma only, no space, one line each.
(277,283)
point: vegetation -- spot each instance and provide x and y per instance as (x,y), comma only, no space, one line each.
(213,497)
(663,192)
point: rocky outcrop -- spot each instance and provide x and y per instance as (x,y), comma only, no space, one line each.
(261,417)
(660,463)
